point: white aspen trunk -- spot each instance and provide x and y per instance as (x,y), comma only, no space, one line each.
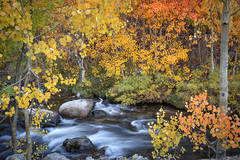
(224,55)
(221,151)
(212,49)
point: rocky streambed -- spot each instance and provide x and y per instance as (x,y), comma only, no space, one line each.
(87,130)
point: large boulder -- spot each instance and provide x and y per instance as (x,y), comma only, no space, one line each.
(76,108)
(50,119)
(79,145)
(55,156)
(15,157)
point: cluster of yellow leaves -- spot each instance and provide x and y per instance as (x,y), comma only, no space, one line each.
(39,116)
(20,143)
(67,81)
(4,106)
(66,39)
(98,17)
(165,135)
(25,95)
(114,52)
(203,118)
(163,56)
(4,102)
(50,84)
(48,48)
(120,52)
(11,112)
(40,149)
(14,23)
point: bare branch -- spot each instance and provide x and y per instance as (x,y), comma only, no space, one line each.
(3,117)
(12,84)
(235,12)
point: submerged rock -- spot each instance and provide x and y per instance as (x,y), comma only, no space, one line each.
(15,157)
(79,145)
(55,156)
(98,114)
(76,108)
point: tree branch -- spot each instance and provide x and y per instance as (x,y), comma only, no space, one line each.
(235,12)
(13,84)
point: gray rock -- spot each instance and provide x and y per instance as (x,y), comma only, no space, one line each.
(76,108)
(55,156)
(51,119)
(79,145)
(89,158)
(103,158)
(15,157)
(120,158)
(228,158)
(99,114)
(137,157)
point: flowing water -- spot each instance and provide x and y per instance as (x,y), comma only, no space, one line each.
(122,131)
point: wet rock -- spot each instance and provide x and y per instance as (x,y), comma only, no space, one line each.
(55,156)
(5,129)
(103,158)
(137,157)
(76,108)
(89,158)
(50,119)
(113,111)
(79,145)
(99,114)
(4,146)
(15,157)
(120,158)
(6,153)
(228,158)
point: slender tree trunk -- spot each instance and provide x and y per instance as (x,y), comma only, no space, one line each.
(15,117)
(199,51)
(14,131)
(212,54)
(235,65)
(83,71)
(221,152)
(224,55)
(28,155)
(144,35)
(81,78)
(212,49)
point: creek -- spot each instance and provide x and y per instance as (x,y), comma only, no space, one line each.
(122,131)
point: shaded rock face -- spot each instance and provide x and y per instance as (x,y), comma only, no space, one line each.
(15,157)
(51,119)
(79,145)
(55,156)
(76,108)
